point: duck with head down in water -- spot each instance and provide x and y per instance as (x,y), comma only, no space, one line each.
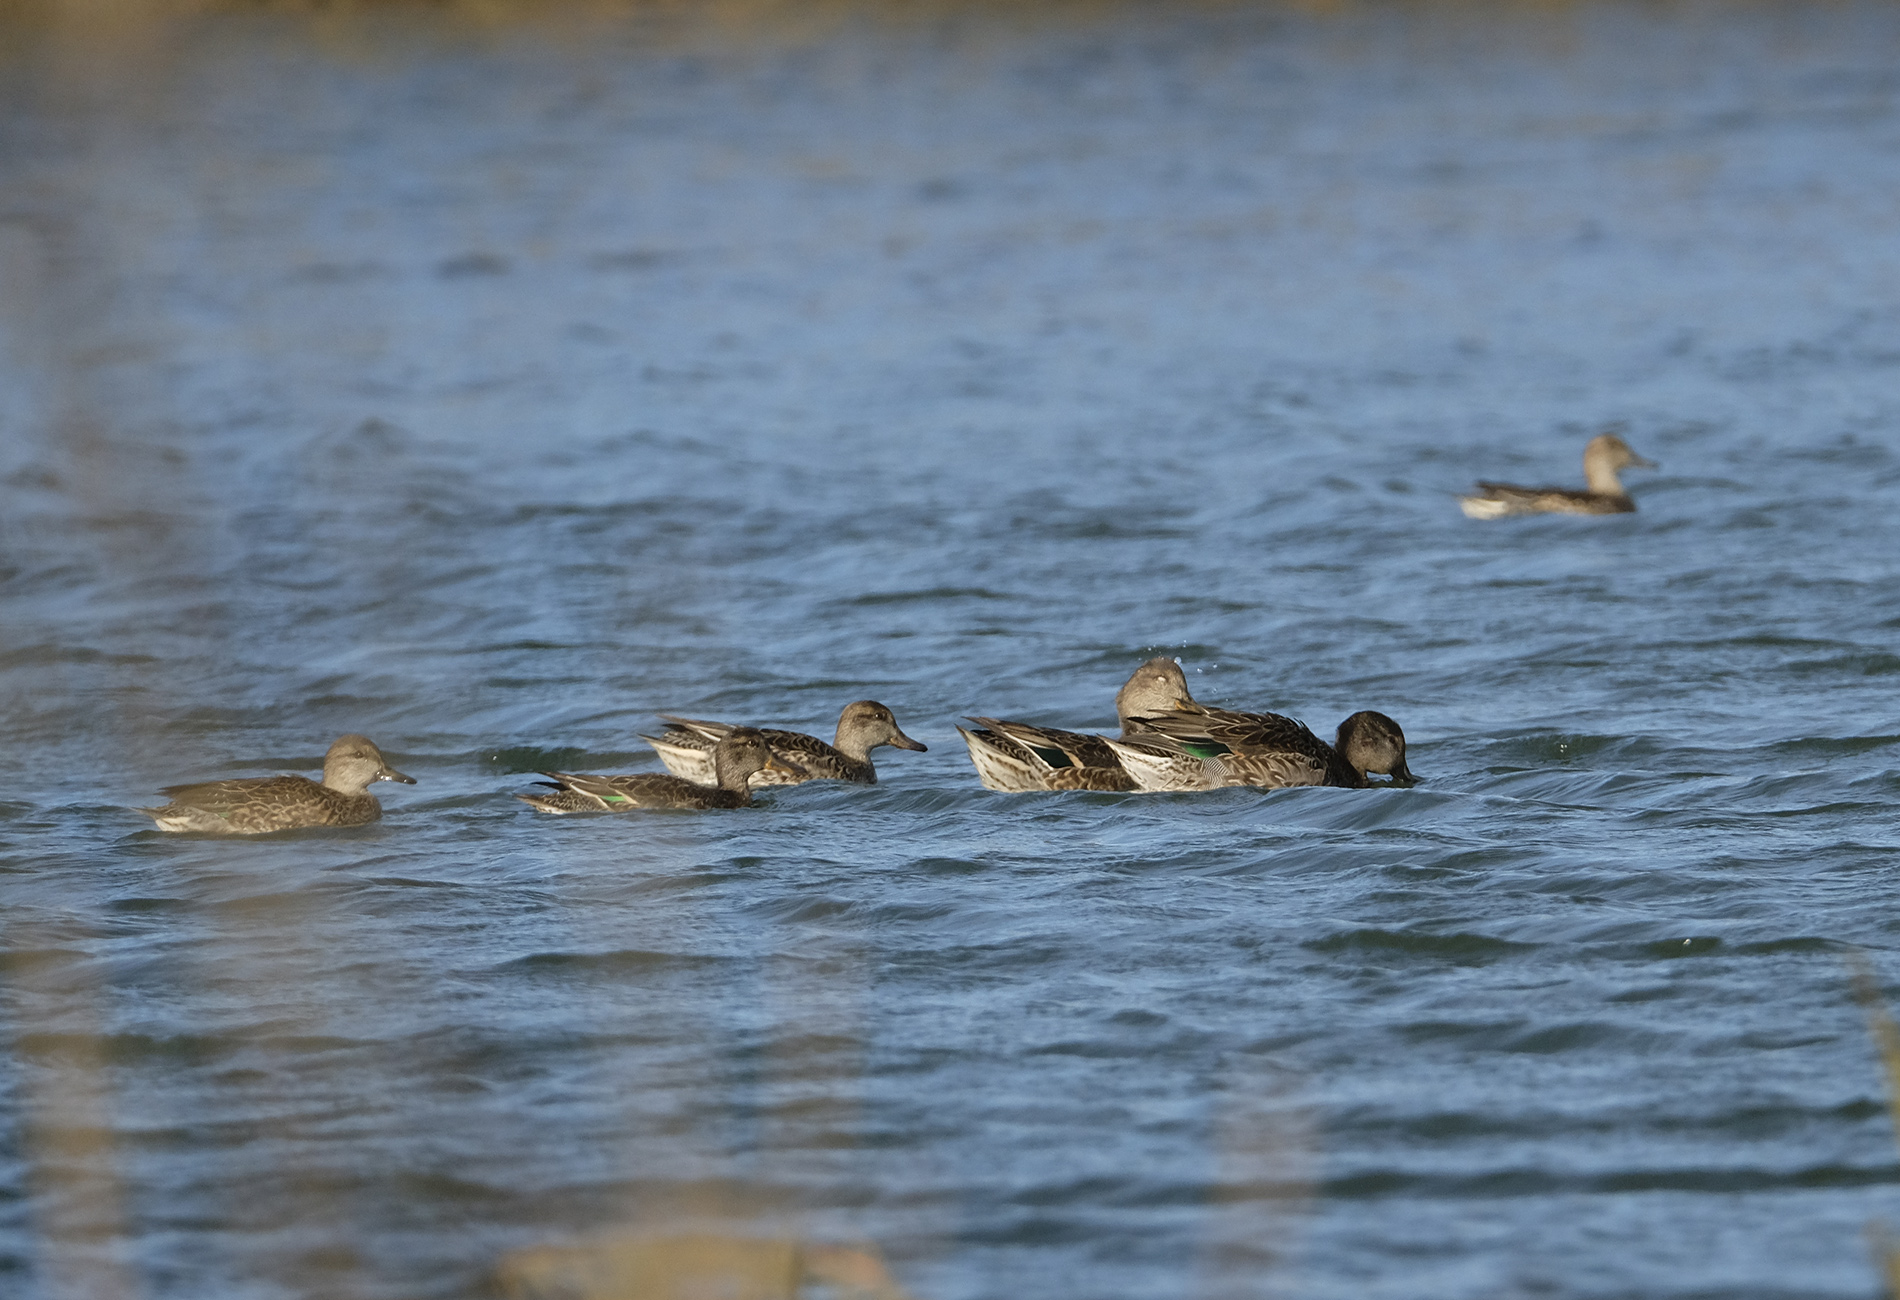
(1204,749)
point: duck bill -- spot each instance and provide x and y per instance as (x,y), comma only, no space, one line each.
(901,741)
(1402,775)
(1642,462)
(391,774)
(785,765)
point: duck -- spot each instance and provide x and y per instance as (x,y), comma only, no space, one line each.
(687,747)
(1205,749)
(261,805)
(1603,456)
(1018,757)
(736,756)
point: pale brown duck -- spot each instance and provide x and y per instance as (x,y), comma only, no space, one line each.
(1602,458)
(260,805)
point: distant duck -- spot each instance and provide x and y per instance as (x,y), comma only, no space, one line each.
(687,748)
(1016,757)
(1204,749)
(1602,458)
(737,755)
(260,805)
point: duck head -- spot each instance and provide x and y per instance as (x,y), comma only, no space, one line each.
(743,751)
(1372,742)
(354,762)
(866,724)
(1603,456)
(1158,686)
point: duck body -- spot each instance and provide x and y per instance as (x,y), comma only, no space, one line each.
(1205,749)
(687,747)
(266,804)
(1496,500)
(739,753)
(1602,458)
(574,793)
(1020,757)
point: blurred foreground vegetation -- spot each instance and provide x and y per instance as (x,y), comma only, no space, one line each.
(780,18)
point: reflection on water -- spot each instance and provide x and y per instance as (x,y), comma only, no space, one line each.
(490,381)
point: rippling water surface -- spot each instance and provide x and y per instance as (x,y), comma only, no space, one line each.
(491,389)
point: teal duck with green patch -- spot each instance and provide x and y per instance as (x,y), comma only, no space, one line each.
(1205,749)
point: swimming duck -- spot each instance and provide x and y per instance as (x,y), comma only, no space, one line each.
(687,747)
(1605,454)
(1203,749)
(259,805)
(1016,757)
(737,755)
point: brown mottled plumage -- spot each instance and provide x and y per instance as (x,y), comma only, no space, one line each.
(1203,749)
(687,747)
(1016,757)
(260,805)
(739,753)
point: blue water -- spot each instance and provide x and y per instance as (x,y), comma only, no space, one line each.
(489,388)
